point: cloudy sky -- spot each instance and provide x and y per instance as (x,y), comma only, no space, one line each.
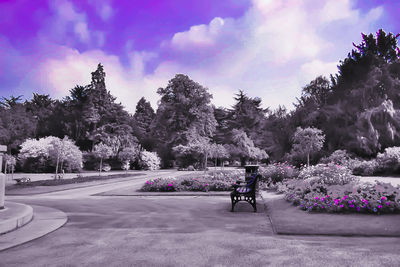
(268,48)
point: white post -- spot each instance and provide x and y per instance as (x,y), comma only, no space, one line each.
(2,178)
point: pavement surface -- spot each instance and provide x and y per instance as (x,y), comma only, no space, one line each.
(180,231)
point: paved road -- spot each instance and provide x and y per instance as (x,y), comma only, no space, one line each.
(181,231)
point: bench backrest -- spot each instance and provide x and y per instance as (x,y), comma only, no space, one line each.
(251,182)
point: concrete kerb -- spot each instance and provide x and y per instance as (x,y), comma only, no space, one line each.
(263,197)
(14,216)
(172,194)
(45,221)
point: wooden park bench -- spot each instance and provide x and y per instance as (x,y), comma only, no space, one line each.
(22,180)
(246,190)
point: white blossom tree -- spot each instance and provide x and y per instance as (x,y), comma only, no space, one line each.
(102,151)
(307,141)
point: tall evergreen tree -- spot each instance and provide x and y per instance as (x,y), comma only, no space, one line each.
(184,106)
(248,115)
(141,123)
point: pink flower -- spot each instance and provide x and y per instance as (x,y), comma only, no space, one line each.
(169,184)
(383,198)
(341,206)
(379,207)
(316,198)
(388,203)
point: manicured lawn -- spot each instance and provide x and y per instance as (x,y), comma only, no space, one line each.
(45,186)
(289,219)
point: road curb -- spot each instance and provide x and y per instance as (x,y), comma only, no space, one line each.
(14,216)
(45,221)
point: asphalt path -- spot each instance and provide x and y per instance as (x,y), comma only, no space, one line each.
(180,231)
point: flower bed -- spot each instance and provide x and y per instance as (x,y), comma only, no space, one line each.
(332,188)
(212,181)
(371,198)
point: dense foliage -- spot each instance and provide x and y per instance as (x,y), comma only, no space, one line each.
(357,110)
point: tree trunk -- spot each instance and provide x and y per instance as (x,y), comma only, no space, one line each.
(58,159)
(101,166)
(205,163)
(61,168)
(216,161)
(308,159)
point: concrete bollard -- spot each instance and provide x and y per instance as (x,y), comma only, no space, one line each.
(2,189)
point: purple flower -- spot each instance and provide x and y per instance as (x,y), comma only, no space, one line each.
(358,208)
(341,206)
(147,182)
(388,203)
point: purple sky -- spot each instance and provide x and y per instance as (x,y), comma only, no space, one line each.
(266,48)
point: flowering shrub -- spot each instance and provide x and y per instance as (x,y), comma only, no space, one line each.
(149,160)
(329,174)
(340,157)
(215,181)
(372,198)
(364,167)
(389,160)
(277,172)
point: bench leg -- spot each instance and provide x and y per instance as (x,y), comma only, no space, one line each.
(254,204)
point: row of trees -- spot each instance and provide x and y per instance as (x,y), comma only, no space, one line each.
(356,110)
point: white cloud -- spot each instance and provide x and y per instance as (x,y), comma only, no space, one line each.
(74,68)
(275,49)
(310,70)
(81,29)
(66,16)
(203,35)
(337,10)
(106,11)
(272,51)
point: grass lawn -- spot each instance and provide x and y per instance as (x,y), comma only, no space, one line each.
(289,219)
(42,186)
